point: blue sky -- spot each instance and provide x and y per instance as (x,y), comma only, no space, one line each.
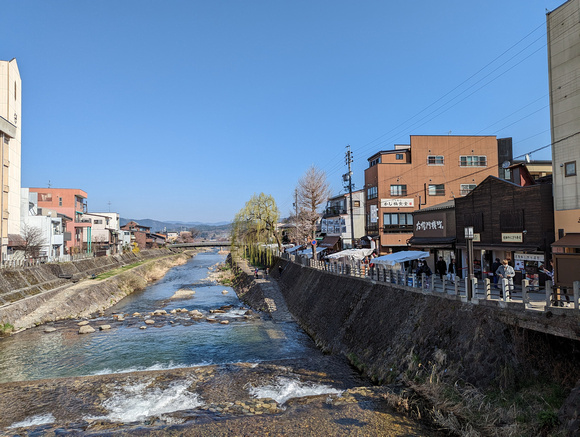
(182,110)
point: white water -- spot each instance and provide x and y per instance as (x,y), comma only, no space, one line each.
(286,388)
(136,402)
(41,419)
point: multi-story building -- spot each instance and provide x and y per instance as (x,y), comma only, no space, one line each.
(426,172)
(139,234)
(564,69)
(336,218)
(43,229)
(71,202)
(10,134)
(104,232)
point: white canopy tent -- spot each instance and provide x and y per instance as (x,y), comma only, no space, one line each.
(399,257)
(308,252)
(353,254)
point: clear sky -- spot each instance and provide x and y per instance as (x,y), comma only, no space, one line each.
(182,110)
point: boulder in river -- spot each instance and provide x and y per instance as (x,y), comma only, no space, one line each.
(224,322)
(104,327)
(150,322)
(83,323)
(86,329)
(49,329)
(225,292)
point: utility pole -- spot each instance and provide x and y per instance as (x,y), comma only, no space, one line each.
(348,162)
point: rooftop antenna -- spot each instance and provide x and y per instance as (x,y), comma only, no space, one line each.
(109,203)
(49,183)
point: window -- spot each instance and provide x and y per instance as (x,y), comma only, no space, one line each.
(98,222)
(473,161)
(60,201)
(436,190)
(395,222)
(372,193)
(467,188)
(399,156)
(398,190)
(356,204)
(435,160)
(375,161)
(570,169)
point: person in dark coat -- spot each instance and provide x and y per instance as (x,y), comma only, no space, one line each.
(496,265)
(452,270)
(441,267)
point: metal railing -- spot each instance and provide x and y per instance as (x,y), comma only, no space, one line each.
(505,293)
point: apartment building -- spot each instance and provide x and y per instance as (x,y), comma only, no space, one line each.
(336,219)
(105,230)
(428,171)
(10,137)
(564,69)
(71,202)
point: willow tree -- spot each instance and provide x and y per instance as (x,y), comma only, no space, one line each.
(256,225)
(312,192)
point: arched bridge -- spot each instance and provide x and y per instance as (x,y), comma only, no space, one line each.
(203,244)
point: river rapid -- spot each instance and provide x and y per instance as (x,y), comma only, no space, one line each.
(238,373)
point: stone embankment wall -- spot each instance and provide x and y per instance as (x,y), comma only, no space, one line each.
(57,299)
(389,333)
(16,284)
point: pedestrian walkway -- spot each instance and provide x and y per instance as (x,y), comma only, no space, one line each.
(274,300)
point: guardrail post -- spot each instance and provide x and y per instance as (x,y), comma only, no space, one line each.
(414,280)
(576,293)
(456,284)
(548,294)
(423,282)
(444,284)
(503,286)
(525,287)
(487,286)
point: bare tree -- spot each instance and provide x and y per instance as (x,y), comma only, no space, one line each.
(194,233)
(312,193)
(33,241)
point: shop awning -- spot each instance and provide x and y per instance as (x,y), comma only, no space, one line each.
(356,254)
(568,240)
(329,241)
(399,257)
(432,241)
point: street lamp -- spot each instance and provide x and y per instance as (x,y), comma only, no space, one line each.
(469,240)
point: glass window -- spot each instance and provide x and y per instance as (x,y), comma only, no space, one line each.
(467,188)
(372,193)
(398,190)
(436,190)
(570,168)
(435,160)
(473,161)
(399,156)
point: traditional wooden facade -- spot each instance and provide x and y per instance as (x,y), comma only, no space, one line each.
(509,222)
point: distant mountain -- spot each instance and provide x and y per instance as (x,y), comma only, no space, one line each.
(159,226)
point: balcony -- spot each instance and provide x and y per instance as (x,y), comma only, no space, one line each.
(332,212)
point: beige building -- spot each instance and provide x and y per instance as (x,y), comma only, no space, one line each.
(564,71)
(10,133)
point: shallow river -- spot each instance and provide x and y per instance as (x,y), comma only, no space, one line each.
(201,364)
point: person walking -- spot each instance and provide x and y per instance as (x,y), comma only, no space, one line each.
(505,271)
(452,270)
(494,268)
(441,267)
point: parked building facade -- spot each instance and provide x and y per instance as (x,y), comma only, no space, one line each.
(10,137)
(563,69)
(428,171)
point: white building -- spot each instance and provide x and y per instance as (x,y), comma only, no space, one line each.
(105,231)
(10,137)
(336,218)
(48,222)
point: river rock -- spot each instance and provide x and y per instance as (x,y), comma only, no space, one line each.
(184,310)
(136,314)
(150,322)
(217,311)
(159,312)
(225,292)
(211,320)
(142,327)
(224,322)
(196,314)
(173,311)
(83,323)
(49,329)
(86,329)
(104,327)
(249,313)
